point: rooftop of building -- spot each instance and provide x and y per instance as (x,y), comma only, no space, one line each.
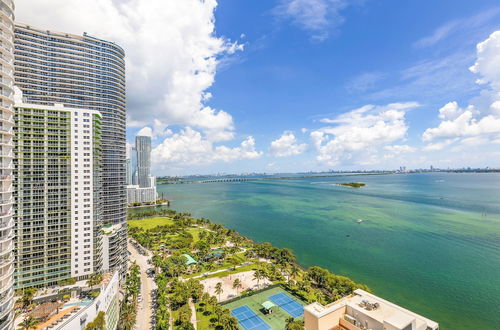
(375,307)
(82,37)
(111,228)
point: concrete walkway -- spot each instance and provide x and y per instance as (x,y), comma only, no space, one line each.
(145,307)
(193,314)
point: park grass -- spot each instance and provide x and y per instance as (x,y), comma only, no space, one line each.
(277,319)
(224,273)
(204,317)
(150,223)
(196,233)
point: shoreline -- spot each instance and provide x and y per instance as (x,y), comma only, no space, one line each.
(155,205)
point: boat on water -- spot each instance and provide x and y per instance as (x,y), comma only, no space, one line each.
(359,220)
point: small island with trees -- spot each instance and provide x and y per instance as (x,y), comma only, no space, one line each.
(352,184)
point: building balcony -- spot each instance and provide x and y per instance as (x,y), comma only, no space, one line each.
(6,248)
(8,272)
(6,307)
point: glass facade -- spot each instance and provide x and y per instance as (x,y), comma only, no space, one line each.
(80,72)
(6,164)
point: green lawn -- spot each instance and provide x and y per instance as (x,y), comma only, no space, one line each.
(150,223)
(196,233)
(277,319)
(203,316)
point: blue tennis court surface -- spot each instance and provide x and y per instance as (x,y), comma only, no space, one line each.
(248,319)
(288,304)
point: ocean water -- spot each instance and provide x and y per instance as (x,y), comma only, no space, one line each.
(429,242)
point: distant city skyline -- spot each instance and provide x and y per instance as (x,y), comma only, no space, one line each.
(288,86)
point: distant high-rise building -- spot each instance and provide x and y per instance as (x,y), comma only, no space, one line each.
(143,148)
(58,168)
(89,74)
(133,166)
(142,188)
(6,165)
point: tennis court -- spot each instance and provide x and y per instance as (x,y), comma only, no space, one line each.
(248,319)
(288,304)
(275,320)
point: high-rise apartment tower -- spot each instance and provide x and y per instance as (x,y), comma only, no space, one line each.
(143,149)
(86,73)
(6,163)
(57,194)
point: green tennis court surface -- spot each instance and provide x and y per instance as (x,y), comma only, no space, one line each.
(253,304)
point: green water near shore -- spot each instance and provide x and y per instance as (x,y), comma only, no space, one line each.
(429,242)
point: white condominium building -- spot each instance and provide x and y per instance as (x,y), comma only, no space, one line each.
(58,179)
(363,311)
(6,165)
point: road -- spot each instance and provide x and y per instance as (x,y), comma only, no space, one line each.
(145,307)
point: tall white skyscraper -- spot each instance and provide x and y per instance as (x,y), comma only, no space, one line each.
(143,149)
(6,164)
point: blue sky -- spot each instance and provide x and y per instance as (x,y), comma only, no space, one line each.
(297,85)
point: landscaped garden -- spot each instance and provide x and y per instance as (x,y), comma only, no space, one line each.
(195,250)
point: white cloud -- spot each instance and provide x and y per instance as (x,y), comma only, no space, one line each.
(189,147)
(457,26)
(172,54)
(477,123)
(287,145)
(319,17)
(358,136)
(488,61)
(439,145)
(145,131)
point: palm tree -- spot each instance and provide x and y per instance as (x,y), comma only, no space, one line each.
(218,289)
(212,302)
(219,312)
(28,295)
(237,285)
(127,316)
(28,323)
(294,271)
(258,275)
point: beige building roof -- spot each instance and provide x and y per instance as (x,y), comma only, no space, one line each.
(366,307)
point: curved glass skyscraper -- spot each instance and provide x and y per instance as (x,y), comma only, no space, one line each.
(6,154)
(80,72)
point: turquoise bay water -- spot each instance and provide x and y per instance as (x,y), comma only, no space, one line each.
(429,242)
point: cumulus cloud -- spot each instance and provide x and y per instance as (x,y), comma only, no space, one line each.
(286,145)
(357,136)
(145,131)
(477,123)
(190,147)
(172,54)
(318,17)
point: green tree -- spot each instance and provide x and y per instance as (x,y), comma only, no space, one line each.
(99,323)
(258,275)
(185,314)
(219,312)
(218,289)
(94,279)
(237,285)
(292,324)
(28,323)
(212,302)
(28,295)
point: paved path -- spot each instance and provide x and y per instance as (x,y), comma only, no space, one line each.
(145,307)
(193,314)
